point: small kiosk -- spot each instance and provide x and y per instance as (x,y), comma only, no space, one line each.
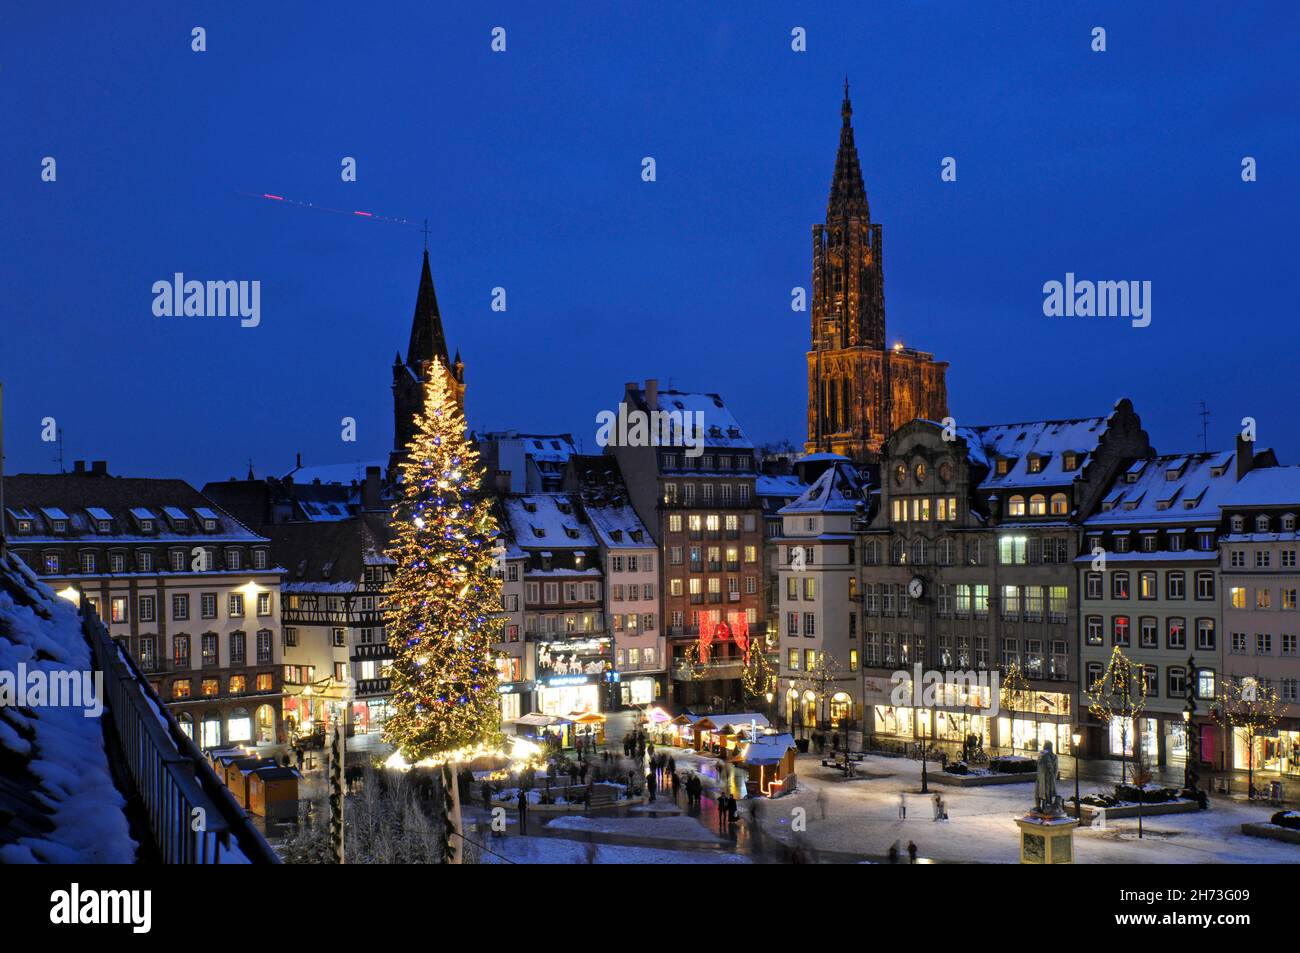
(273,792)
(769,759)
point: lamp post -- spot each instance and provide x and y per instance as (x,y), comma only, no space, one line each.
(1077,738)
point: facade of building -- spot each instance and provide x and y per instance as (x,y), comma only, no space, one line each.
(701,506)
(564,616)
(1149,587)
(968,566)
(524,463)
(860,389)
(336,652)
(819,665)
(630,560)
(1259,582)
(188,590)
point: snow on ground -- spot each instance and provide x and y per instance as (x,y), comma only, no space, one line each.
(679,828)
(555,850)
(864,819)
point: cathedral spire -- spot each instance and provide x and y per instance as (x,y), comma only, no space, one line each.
(848,194)
(427,339)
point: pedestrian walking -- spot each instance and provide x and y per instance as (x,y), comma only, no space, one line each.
(911,852)
(732,812)
(523,812)
(902,807)
(650,784)
(938,806)
(893,852)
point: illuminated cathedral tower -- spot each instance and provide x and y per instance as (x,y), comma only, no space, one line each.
(859,388)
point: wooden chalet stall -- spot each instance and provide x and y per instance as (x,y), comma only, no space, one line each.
(769,759)
(273,792)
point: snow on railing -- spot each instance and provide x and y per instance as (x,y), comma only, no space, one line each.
(193,818)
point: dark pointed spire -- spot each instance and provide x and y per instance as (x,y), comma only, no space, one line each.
(427,339)
(848,194)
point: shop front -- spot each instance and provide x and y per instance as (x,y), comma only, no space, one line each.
(1277,752)
(638,690)
(512,698)
(1035,719)
(564,695)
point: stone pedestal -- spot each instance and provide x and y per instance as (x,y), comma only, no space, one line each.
(1046,839)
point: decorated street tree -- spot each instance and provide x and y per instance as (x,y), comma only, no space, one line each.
(758,677)
(821,678)
(1015,696)
(1249,708)
(444,600)
(1120,692)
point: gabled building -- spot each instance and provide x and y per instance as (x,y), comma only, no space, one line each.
(192,593)
(1149,586)
(700,503)
(820,677)
(968,565)
(1259,583)
(630,559)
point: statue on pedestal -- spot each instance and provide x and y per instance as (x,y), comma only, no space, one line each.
(1046,800)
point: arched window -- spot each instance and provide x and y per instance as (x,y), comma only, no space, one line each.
(1016,506)
(899,554)
(920,553)
(211,733)
(809,708)
(186,721)
(841,708)
(945,552)
(791,706)
(1037,505)
(871,553)
(264,719)
(239,727)
(1060,504)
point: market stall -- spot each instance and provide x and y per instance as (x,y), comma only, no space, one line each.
(769,759)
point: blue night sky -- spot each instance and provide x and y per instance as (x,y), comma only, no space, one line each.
(1119,165)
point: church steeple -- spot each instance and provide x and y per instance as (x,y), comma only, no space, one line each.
(427,344)
(848,195)
(427,339)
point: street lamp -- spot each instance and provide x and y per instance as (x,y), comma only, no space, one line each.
(1077,738)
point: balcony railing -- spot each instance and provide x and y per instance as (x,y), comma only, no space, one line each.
(174,782)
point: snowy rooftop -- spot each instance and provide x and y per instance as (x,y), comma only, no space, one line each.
(1176,488)
(547,521)
(721,429)
(1045,442)
(1268,486)
(786,484)
(618,526)
(838,490)
(58,802)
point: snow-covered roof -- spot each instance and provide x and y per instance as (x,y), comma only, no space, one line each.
(618,526)
(1267,486)
(783,485)
(54,513)
(1045,441)
(721,429)
(99,513)
(547,520)
(767,749)
(336,473)
(838,490)
(1175,488)
(175,513)
(57,794)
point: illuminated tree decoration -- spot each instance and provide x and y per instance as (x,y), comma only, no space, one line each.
(1120,692)
(1249,707)
(1015,696)
(821,678)
(758,677)
(444,600)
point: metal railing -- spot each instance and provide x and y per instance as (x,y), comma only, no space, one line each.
(176,785)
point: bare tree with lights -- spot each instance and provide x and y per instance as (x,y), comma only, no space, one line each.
(1120,692)
(1249,706)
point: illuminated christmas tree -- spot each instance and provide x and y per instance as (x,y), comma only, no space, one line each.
(444,600)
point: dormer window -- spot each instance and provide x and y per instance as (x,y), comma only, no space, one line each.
(259,559)
(1034,464)
(1003,466)
(233,559)
(1288,522)
(1238,524)
(60,526)
(1261,524)
(24,526)
(1069,461)
(209,526)
(104,526)
(146,526)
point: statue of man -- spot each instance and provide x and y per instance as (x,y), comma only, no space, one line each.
(1045,785)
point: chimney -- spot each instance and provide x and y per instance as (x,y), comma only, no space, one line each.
(629,392)
(370,490)
(652,394)
(79,466)
(99,467)
(1245,456)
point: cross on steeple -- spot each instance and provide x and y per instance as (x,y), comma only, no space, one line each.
(426,234)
